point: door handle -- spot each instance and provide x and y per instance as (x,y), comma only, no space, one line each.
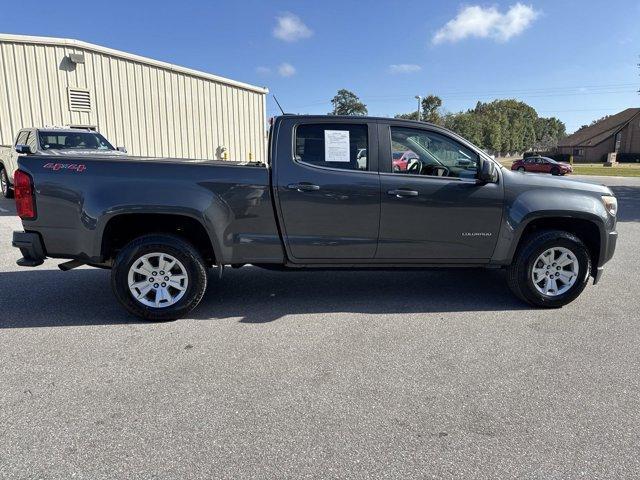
(400,193)
(303,187)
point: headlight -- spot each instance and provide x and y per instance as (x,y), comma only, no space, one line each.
(611,204)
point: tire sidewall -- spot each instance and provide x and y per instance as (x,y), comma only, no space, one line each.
(582,255)
(3,173)
(179,249)
(522,169)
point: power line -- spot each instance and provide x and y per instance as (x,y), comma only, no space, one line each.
(602,89)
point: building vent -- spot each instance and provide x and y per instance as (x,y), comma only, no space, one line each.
(79,100)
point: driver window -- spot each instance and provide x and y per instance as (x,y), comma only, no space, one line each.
(421,152)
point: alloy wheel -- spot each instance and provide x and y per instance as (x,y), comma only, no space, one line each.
(157,280)
(555,271)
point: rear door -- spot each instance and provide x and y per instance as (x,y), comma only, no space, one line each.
(539,166)
(327,188)
(434,210)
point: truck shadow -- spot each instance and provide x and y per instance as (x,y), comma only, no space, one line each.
(259,296)
(47,298)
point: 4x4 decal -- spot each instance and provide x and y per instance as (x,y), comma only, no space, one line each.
(78,167)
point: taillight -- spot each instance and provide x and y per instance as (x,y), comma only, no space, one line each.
(23,191)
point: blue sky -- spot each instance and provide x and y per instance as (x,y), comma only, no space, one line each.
(575,60)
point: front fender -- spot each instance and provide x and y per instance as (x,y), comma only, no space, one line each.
(537,204)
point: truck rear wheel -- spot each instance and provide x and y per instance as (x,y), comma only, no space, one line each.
(550,269)
(5,189)
(159,277)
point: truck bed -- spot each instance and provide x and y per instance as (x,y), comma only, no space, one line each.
(77,198)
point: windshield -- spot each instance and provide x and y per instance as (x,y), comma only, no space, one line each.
(550,160)
(73,141)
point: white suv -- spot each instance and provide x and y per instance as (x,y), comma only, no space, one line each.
(50,141)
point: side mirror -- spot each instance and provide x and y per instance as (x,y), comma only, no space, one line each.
(24,149)
(122,149)
(488,172)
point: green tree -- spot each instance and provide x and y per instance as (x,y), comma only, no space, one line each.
(430,111)
(407,116)
(548,132)
(347,103)
(506,126)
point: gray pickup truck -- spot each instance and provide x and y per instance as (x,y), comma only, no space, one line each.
(329,197)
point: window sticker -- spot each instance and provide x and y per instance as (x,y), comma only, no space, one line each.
(336,146)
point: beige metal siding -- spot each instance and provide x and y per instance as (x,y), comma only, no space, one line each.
(153,109)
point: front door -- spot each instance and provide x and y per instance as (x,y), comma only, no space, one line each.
(434,210)
(328,189)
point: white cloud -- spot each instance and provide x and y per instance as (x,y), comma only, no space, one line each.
(286,70)
(487,22)
(263,70)
(404,68)
(290,28)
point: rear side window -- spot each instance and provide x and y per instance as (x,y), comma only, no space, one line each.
(332,145)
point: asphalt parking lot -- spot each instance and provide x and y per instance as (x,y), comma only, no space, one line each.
(438,374)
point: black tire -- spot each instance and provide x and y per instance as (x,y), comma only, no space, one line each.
(519,273)
(555,171)
(521,169)
(5,189)
(181,250)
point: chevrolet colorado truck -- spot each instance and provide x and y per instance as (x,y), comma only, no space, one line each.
(318,203)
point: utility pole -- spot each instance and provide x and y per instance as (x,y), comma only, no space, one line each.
(419,98)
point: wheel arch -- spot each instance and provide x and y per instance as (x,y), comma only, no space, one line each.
(588,228)
(122,228)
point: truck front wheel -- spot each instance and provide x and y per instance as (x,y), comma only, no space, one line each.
(159,277)
(550,269)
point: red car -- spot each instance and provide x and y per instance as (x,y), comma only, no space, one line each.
(542,165)
(400,160)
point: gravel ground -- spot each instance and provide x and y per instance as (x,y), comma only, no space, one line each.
(437,374)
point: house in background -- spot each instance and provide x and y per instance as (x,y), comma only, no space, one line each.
(618,133)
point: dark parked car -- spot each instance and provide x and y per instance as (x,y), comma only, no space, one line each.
(542,165)
(158,224)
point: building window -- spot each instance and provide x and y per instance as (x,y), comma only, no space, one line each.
(618,142)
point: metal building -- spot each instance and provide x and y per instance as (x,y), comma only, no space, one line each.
(150,107)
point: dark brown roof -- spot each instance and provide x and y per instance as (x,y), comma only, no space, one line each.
(593,135)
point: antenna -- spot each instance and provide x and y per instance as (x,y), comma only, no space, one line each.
(278,103)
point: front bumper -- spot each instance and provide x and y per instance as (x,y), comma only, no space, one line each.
(31,247)
(606,253)
(610,247)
